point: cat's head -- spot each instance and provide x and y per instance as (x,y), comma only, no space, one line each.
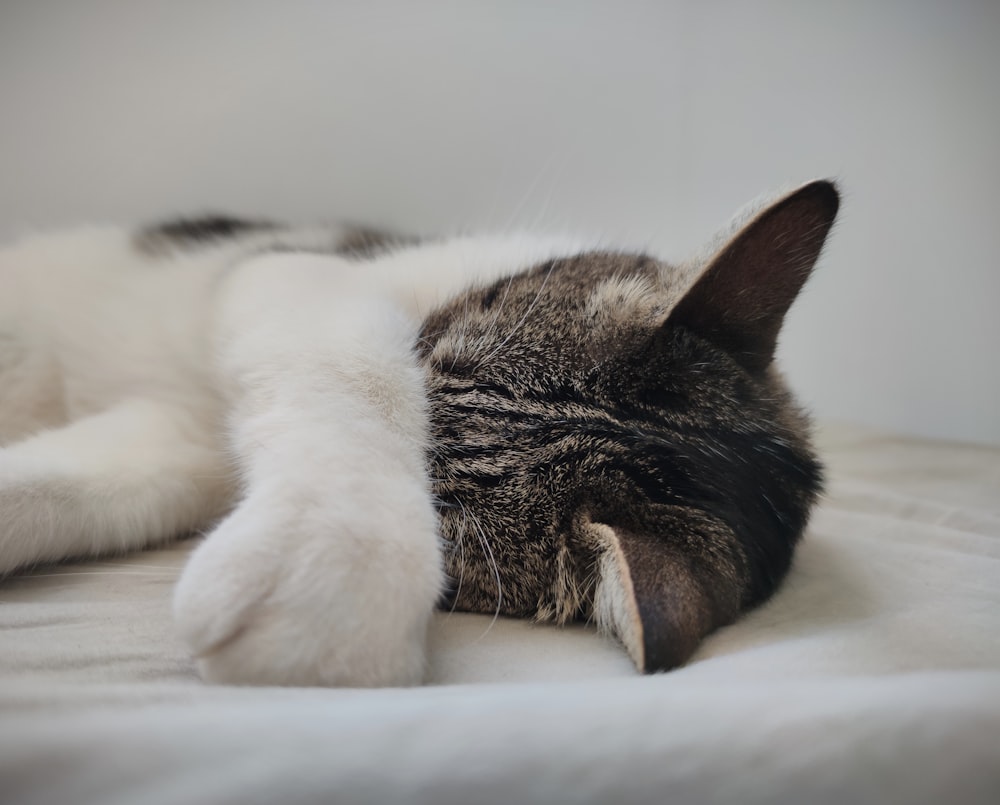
(611,441)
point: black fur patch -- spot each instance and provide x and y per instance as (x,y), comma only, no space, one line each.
(188,233)
(367,242)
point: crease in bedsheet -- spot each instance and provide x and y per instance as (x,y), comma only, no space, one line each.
(861,498)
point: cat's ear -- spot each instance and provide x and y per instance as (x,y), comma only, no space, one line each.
(741,295)
(657,601)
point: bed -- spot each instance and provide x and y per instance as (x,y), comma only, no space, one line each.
(872,676)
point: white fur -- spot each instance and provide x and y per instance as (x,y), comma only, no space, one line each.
(615,607)
(142,398)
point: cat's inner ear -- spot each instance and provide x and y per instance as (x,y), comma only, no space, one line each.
(741,295)
(653,598)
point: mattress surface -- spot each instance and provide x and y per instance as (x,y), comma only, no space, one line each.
(872,676)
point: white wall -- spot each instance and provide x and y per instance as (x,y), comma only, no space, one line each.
(648,122)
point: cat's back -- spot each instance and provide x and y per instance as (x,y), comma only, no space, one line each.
(80,277)
(121,310)
(112,317)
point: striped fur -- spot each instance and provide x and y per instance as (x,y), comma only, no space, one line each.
(600,448)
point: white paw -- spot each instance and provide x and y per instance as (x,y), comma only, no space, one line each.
(306,596)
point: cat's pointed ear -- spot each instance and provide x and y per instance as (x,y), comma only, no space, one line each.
(740,297)
(654,599)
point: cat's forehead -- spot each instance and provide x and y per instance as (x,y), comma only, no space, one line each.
(559,315)
(593,285)
(586,271)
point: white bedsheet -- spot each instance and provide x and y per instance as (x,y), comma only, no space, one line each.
(873,676)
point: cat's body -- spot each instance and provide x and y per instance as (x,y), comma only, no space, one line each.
(593,434)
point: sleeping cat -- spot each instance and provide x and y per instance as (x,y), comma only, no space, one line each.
(367,427)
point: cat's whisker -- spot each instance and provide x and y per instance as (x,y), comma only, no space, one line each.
(488,334)
(460,541)
(496,574)
(522,320)
(462,335)
(589,593)
(430,339)
(537,221)
(546,168)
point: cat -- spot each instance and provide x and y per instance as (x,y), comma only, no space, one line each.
(369,427)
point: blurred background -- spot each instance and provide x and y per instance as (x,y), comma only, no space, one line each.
(647,123)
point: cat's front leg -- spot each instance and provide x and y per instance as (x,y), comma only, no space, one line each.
(328,571)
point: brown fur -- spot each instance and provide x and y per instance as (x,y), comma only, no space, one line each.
(618,391)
